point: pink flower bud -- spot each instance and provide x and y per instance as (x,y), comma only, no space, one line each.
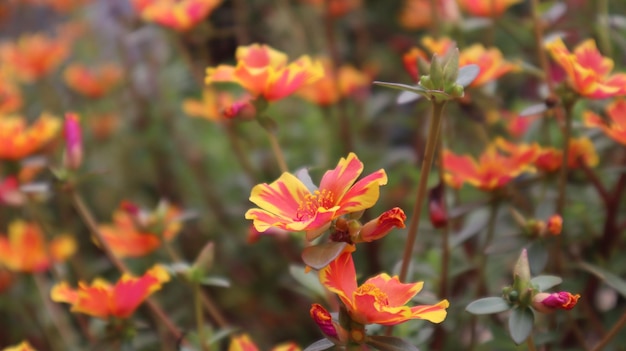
(381,226)
(331,329)
(239,109)
(550,302)
(73,141)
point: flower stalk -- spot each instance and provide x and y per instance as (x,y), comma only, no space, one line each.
(429,154)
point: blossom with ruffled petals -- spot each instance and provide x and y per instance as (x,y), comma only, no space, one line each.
(25,249)
(136,233)
(490,61)
(264,72)
(288,204)
(180,15)
(17,140)
(216,106)
(493,169)
(381,299)
(34,55)
(587,70)
(615,128)
(103,300)
(23,346)
(487,8)
(92,82)
(550,302)
(333,86)
(379,227)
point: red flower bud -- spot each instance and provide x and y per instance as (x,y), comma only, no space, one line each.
(379,227)
(555,224)
(550,302)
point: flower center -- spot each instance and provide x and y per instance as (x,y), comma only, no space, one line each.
(380,297)
(313,202)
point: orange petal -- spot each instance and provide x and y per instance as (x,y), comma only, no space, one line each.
(398,294)
(340,277)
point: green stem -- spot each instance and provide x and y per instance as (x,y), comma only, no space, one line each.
(278,152)
(431,143)
(445,231)
(199,316)
(67,336)
(603,27)
(611,334)
(531,343)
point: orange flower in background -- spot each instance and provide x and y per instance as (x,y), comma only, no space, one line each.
(264,72)
(492,64)
(180,15)
(550,302)
(438,46)
(335,85)
(615,128)
(337,8)
(214,106)
(18,140)
(23,346)
(287,203)
(92,82)
(555,224)
(380,299)
(587,70)
(25,249)
(10,94)
(103,125)
(493,169)
(417,14)
(34,55)
(487,8)
(103,300)
(410,61)
(136,233)
(580,150)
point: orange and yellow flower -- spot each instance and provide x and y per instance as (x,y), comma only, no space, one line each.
(25,249)
(580,150)
(214,106)
(18,141)
(487,8)
(10,94)
(103,300)
(136,233)
(243,342)
(180,15)
(493,169)
(34,55)
(380,299)
(335,85)
(264,72)
(587,70)
(616,126)
(23,346)
(410,61)
(92,82)
(288,204)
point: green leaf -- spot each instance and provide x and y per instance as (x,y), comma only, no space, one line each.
(436,72)
(390,343)
(308,280)
(467,74)
(406,96)
(609,278)
(521,324)
(488,305)
(319,345)
(417,89)
(545,282)
(215,281)
(319,256)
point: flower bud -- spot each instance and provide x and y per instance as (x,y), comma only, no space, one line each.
(437,207)
(73,141)
(379,227)
(555,224)
(239,109)
(550,302)
(331,329)
(521,271)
